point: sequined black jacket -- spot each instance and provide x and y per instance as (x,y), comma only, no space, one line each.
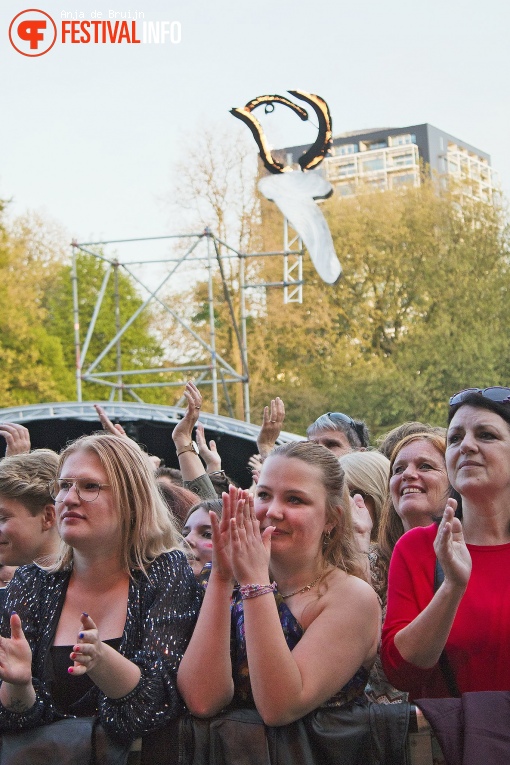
(161,614)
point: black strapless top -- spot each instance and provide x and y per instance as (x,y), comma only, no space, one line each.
(71,694)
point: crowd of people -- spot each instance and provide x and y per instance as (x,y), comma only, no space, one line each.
(135,592)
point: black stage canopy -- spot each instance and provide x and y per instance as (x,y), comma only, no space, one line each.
(51,426)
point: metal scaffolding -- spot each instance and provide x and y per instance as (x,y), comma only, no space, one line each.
(217,371)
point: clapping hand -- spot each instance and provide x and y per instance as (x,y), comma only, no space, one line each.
(221,556)
(450,548)
(250,550)
(15,656)
(88,649)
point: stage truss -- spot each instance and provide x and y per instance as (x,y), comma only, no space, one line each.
(203,250)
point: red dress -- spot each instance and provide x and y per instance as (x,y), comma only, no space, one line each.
(478,646)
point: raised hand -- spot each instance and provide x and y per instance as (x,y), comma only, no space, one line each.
(15,656)
(182,433)
(208,453)
(272,421)
(250,550)
(88,649)
(450,548)
(115,429)
(255,463)
(361,522)
(17,438)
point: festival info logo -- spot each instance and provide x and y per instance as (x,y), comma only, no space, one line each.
(32,32)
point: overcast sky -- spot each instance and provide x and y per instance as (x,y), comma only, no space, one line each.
(89,133)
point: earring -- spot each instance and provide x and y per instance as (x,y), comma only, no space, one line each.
(326,538)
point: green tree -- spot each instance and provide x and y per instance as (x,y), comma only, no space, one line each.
(32,364)
(140,348)
(420,311)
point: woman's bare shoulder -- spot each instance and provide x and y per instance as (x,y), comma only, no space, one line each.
(350,589)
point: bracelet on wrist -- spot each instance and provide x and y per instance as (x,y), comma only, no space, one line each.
(255,590)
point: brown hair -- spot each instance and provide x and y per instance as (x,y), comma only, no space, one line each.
(338,547)
(391,527)
(387,443)
(145,525)
(26,478)
(171,474)
(214,505)
(177,499)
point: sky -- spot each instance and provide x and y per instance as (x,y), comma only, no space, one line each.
(90,134)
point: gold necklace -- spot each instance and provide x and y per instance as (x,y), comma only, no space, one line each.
(303,589)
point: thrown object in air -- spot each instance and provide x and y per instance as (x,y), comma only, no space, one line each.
(294,191)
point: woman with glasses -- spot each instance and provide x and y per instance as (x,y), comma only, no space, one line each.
(101,631)
(447,628)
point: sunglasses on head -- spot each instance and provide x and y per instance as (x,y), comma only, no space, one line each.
(341,417)
(496,393)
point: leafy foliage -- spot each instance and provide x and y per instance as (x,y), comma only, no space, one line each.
(421,310)
(37,356)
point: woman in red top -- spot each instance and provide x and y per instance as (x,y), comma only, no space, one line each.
(468,616)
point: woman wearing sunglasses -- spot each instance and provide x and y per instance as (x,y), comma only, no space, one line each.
(442,639)
(102,631)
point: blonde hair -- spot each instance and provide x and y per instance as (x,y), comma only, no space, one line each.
(145,526)
(338,547)
(369,472)
(391,527)
(26,478)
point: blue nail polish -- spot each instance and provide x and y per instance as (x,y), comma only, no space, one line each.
(84,614)
(13,613)
(80,635)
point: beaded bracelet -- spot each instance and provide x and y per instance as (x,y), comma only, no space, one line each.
(254,590)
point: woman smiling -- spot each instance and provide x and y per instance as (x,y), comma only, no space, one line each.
(300,614)
(418,490)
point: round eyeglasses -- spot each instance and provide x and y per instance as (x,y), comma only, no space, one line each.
(86,489)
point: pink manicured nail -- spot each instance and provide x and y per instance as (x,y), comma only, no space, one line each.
(71,670)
